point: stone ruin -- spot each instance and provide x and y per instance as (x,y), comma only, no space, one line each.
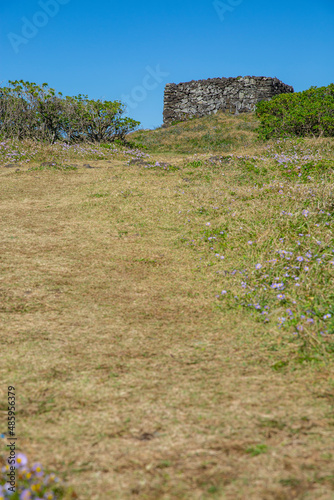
(203,97)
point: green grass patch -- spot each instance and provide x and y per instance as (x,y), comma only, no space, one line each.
(257,449)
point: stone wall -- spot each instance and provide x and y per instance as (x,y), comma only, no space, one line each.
(203,97)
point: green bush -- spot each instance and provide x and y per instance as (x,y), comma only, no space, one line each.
(30,111)
(308,113)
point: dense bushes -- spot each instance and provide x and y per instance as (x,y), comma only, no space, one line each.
(30,111)
(308,113)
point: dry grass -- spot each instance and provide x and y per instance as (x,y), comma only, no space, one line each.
(131,382)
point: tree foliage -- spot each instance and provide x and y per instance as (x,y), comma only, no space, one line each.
(308,113)
(30,111)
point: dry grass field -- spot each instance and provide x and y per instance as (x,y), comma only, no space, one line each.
(136,377)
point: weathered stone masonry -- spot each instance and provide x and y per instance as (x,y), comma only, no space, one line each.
(203,97)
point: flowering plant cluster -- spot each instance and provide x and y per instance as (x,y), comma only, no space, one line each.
(285,278)
(32,483)
(20,153)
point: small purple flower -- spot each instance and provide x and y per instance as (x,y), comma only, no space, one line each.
(258,266)
(49,496)
(224,292)
(300,328)
(21,460)
(281,296)
(327,316)
(37,469)
(25,495)
(300,259)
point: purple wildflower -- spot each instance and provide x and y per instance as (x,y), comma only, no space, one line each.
(21,460)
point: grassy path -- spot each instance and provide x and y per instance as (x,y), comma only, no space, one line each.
(130,382)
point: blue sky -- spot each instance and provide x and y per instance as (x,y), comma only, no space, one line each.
(130,50)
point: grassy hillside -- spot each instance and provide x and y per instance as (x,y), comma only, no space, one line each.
(167,316)
(221,132)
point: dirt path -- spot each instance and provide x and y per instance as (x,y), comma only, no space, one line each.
(131,384)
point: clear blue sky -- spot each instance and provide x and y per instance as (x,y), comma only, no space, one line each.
(113,49)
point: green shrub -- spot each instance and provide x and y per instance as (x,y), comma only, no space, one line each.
(30,111)
(308,113)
